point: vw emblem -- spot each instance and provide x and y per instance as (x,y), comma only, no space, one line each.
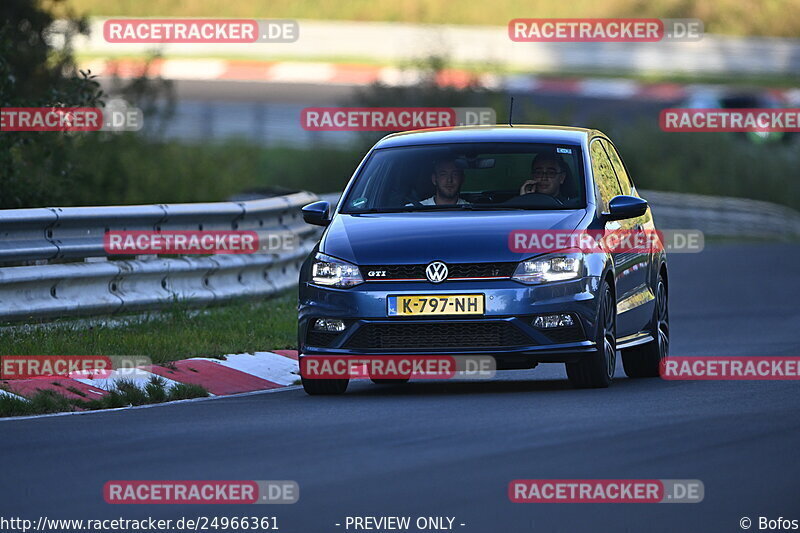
(436,272)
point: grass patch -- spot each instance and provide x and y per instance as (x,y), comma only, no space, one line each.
(185,391)
(12,406)
(129,393)
(126,393)
(156,390)
(43,402)
(773,17)
(176,333)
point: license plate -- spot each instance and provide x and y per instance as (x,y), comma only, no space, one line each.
(449,304)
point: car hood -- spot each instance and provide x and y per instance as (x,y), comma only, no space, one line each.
(422,237)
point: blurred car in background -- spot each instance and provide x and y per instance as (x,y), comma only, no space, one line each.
(730,99)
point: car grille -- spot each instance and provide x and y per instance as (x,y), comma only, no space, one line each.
(322,339)
(438,335)
(455,270)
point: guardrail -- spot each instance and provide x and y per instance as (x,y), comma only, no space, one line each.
(57,285)
(54,287)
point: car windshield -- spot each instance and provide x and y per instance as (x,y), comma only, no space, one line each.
(469,176)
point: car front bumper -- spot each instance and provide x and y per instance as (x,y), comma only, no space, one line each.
(504,331)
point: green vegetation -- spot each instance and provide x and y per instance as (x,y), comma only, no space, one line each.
(41,403)
(129,169)
(717,164)
(128,393)
(125,393)
(176,333)
(32,74)
(766,17)
(173,334)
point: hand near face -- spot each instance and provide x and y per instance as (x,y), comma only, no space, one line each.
(527,187)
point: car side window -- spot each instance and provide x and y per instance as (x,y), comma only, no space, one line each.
(605,179)
(622,174)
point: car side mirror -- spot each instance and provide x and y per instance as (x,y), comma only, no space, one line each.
(622,207)
(317,213)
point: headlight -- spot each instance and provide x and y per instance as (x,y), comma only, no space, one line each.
(554,267)
(332,272)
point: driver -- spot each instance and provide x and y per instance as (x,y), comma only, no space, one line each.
(548,173)
(447,178)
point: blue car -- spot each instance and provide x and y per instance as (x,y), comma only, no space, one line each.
(428,252)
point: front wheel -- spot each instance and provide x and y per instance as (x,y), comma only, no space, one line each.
(324,386)
(596,370)
(644,361)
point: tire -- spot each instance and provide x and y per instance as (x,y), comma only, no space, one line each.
(389,381)
(315,387)
(644,361)
(596,370)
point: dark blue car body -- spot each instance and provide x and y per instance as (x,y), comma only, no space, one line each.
(408,241)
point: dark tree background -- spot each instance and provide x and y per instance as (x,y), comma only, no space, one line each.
(36,167)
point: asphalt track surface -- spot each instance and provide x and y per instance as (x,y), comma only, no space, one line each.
(269,113)
(578,107)
(450,449)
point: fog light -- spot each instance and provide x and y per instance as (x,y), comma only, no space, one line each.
(553,321)
(331,325)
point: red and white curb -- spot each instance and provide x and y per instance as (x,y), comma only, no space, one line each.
(235,374)
(10,394)
(360,75)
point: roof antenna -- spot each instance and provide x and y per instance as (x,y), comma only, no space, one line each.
(511,112)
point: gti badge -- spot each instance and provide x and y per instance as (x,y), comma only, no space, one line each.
(436,272)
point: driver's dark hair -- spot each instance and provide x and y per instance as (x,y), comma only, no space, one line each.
(443,160)
(562,166)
